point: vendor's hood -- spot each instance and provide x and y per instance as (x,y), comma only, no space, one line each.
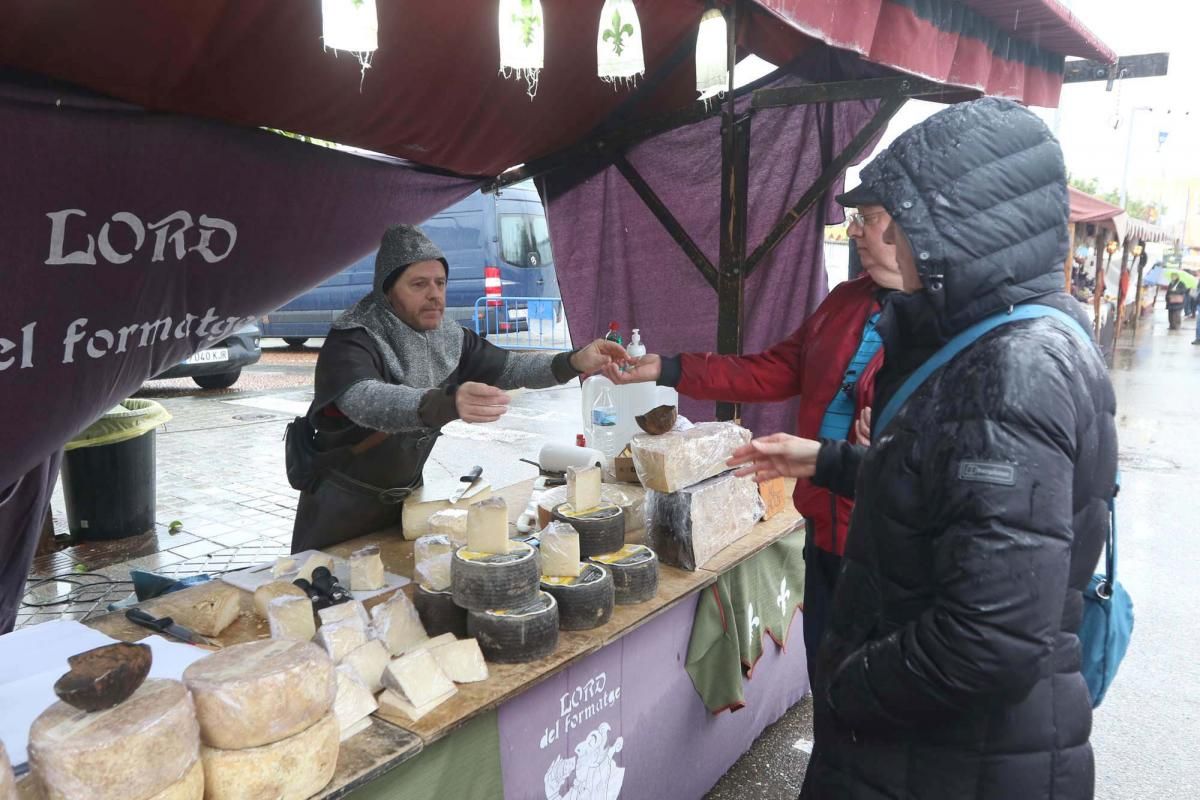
(980,191)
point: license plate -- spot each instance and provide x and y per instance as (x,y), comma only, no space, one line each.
(518,313)
(210,356)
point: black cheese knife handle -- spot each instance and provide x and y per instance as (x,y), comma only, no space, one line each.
(146,620)
(471,476)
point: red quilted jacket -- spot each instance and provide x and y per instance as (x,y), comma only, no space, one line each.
(810,363)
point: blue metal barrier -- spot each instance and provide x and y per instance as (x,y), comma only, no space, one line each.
(522,323)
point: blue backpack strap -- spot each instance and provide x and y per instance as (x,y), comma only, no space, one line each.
(959,343)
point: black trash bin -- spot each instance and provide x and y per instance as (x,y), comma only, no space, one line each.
(108,473)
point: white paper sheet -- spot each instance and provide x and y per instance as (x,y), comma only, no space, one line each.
(251,578)
(33,658)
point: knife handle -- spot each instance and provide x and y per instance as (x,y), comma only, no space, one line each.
(472,476)
(146,620)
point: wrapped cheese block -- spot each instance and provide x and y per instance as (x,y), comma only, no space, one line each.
(461,660)
(137,749)
(291,618)
(8,782)
(397,624)
(341,638)
(451,523)
(393,705)
(431,555)
(688,527)
(679,459)
(369,661)
(354,700)
(366,569)
(351,609)
(256,693)
(434,496)
(264,594)
(417,678)
(294,768)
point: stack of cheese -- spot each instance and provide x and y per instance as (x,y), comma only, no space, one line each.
(425,676)
(694,507)
(266,719)
(146,748)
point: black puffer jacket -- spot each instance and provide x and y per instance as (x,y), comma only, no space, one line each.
(951,667)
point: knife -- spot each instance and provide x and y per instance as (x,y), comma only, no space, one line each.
(166,625)
(468,481)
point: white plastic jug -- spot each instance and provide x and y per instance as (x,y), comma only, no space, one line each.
(630,399)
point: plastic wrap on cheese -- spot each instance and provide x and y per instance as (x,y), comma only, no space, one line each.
(625,495)
(679,459)
(688,527)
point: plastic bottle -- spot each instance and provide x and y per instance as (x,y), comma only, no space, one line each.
(636,349)
(605,437)
(614,333)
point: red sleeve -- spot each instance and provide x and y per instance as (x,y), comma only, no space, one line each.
(774,374)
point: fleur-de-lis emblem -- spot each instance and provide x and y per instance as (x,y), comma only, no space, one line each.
(528,19)
(617,33)
(784,595)
(752,621)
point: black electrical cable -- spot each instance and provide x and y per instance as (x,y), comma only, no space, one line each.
(74,578)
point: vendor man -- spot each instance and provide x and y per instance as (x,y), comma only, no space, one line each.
(830,363)
(394,364)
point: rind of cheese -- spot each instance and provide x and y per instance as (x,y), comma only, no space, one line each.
(393,704)
(191,787)
(269,591)
(461,660)
(351,609)
(451,523)
(679,459)
(291,618)
(366,570)
(252,694)
(139,748)
(583,488)
(487,526)
(417,678)
(294,768)
(560,551)
(283,566)
(369,661)
(341,638)
(397,624)
(314,561)
(8,781)
(354,700)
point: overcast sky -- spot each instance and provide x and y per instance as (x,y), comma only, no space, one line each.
(1093,124)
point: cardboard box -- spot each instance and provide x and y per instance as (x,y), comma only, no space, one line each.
(775,496)
(623,467)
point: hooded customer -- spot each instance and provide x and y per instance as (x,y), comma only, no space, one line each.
(951,668)
(393,364)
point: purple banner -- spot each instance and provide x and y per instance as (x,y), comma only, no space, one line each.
(616,262)
(627,722)
(128,240)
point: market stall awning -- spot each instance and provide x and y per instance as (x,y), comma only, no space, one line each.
(433,94)
(1086,208)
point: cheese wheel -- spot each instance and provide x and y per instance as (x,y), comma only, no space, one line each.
(132,751)
(256,693)
(291,769)
(8,782)
(191,787)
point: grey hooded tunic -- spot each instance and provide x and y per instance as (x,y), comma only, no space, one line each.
(375,373)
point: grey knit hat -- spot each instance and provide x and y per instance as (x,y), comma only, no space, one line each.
(403,246)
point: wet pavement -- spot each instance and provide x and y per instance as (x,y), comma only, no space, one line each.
(220,474)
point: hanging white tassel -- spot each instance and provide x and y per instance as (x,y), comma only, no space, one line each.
(619,58)
(712,74)
(522,41)
(353,26)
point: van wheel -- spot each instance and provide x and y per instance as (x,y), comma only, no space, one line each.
(221,380)
(295,341)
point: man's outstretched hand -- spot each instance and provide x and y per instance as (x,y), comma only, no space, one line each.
(777,455)
(478,402)
(598,355)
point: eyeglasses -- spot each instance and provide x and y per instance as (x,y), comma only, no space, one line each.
(864,220)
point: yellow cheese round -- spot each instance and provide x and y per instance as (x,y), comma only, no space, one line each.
(252,694)
(190,788)
(290,769)
(133,751)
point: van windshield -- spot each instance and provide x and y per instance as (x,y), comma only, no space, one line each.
(525,240)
